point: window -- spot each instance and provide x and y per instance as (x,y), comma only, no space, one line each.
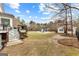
(5,22)
(60,29)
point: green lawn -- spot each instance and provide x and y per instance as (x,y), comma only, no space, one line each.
(40,35)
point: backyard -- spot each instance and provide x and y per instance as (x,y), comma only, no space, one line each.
(40,44)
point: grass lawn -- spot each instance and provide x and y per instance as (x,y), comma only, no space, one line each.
(36,43)
(40,44)
(40,35)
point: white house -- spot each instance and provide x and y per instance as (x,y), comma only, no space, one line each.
(61,30)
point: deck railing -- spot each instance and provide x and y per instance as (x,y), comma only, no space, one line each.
(4,28)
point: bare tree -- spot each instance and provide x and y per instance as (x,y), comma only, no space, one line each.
(67,8)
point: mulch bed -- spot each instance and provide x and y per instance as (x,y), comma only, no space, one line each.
(69,42)
(68,35)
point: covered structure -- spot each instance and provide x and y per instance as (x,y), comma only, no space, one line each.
(9,34)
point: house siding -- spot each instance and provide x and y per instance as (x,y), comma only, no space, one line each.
(74,30)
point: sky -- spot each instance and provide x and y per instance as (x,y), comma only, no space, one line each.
(28,11)
(34,11)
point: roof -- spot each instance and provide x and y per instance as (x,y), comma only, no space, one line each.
(7,15)
(16,22)
(69,27)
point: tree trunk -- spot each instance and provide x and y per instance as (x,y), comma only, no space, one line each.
(65,19)
(71,22)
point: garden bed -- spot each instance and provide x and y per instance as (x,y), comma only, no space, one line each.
(69,42)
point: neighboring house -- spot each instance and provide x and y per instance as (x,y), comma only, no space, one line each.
(57,24)
(61,23)
(61,30)
(8,29)
(16,22)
